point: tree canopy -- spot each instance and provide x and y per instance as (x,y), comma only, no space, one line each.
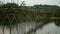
(9,5)
(8,16)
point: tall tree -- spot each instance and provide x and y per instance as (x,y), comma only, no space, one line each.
(23,3)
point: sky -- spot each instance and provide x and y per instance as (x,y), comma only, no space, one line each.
(33,2)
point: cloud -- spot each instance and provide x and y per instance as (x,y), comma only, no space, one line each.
(32,2)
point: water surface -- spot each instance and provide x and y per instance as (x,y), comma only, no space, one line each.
(50,28)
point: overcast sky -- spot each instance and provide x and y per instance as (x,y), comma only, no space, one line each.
(33,2)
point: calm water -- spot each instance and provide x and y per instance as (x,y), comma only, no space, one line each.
(50,28)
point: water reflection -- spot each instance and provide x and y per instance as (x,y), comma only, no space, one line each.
(50,28)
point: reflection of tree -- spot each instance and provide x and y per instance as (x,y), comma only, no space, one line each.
(44,22)
(57,22)
(57,15)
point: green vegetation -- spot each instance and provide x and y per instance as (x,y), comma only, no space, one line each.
(22,14)
(13,14)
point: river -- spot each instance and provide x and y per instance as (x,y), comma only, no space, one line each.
(50,28)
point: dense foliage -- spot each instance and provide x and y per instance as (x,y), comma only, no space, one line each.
(7,14)
(9,5)
(12,12)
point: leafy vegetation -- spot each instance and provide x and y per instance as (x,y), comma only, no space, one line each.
(23,15)
(13,14)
